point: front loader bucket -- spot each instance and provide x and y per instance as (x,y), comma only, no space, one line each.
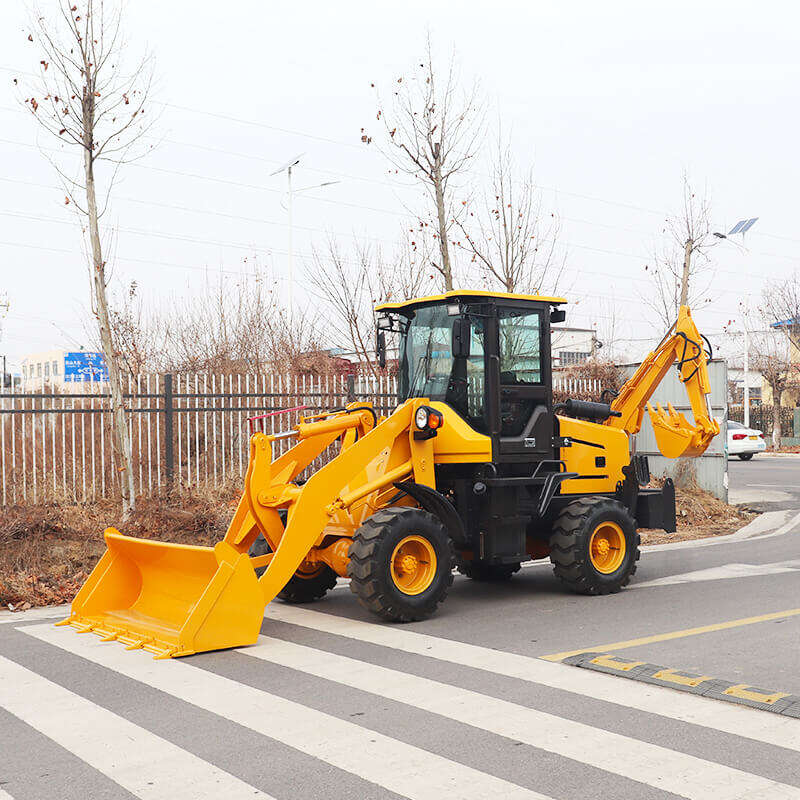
(675,435)
(170,599)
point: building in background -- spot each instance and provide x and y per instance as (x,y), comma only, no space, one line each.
(571,346)
(62,369)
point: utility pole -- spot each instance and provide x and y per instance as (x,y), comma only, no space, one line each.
(746,380)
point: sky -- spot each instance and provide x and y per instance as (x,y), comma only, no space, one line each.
(608,103)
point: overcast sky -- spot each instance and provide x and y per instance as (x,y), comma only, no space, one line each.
(608,102)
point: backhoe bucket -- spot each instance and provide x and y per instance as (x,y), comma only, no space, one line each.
(675,435)
(170,599)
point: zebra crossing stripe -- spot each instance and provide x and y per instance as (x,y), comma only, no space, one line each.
(141,762)
(729,718)
(659,767)
(5,795)
(399,767)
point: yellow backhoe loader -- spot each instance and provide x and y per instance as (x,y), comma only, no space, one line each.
(476,468)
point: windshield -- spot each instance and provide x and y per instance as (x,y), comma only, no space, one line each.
(428,369)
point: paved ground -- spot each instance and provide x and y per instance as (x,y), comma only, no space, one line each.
(766,482)
(331,705)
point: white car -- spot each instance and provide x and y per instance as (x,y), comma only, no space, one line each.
(744,442)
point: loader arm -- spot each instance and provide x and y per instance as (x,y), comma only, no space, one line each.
(675,435)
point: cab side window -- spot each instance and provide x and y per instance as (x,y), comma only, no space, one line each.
(520,347)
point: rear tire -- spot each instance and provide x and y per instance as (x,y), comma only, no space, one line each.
(488,573)
(401,563)
(594,546)
(745,456)
(302,587)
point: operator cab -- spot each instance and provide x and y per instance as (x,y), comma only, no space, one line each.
(487,355)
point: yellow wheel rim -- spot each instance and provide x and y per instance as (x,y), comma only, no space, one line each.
(306,571)
(607,547)
(413,565)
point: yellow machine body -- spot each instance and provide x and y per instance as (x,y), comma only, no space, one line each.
(175,599)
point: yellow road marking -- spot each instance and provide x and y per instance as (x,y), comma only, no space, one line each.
(663,637)
(746,692)
(673,676)
(612,663)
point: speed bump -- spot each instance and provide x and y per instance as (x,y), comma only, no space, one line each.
(705,685)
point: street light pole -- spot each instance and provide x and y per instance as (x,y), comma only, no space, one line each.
(290,265)
(288,166)
(293,162)
(742,226)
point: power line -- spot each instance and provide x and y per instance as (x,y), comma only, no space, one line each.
(305,134)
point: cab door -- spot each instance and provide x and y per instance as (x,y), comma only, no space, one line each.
(526,419)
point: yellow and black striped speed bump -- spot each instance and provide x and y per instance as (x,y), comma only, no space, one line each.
(705,685)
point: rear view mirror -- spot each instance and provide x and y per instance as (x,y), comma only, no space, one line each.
(380,348)
(462,334)
(558,315)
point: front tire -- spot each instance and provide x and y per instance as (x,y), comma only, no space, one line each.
(594,546)
(745,456)
(401,563)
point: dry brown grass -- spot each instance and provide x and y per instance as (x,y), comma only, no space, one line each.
(47,551)
(699,516)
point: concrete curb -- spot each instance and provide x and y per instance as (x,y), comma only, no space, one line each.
(766,525)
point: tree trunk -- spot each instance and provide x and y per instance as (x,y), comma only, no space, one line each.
(687,260)
(447,272)
(122,442)
(776,418)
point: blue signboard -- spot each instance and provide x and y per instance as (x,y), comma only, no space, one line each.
(82,367)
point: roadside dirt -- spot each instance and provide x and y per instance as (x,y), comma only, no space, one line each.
(700,515)
(47,552)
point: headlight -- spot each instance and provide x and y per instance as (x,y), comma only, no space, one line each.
(421,417)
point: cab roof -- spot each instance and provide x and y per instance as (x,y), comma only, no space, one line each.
(408,305)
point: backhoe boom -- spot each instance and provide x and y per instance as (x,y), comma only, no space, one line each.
(675,435)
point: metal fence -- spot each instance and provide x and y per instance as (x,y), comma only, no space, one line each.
(761,418)
(186,430)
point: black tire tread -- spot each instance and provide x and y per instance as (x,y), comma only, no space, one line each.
(307,590)
(298,590)
(565,553)
(364,566)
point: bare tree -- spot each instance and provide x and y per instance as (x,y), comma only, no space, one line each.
(510,236)
(681,271)
(87,98)
(433,129)
(234,325)
(351,283)
(774,351)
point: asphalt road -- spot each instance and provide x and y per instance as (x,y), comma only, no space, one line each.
(330,704)
(766,482)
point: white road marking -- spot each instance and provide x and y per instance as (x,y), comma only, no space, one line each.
(664,769)
(141,762)
(725,572)
(399,767)
(5,795)
(727,717)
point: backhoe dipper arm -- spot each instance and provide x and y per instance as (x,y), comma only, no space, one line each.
(675,435)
